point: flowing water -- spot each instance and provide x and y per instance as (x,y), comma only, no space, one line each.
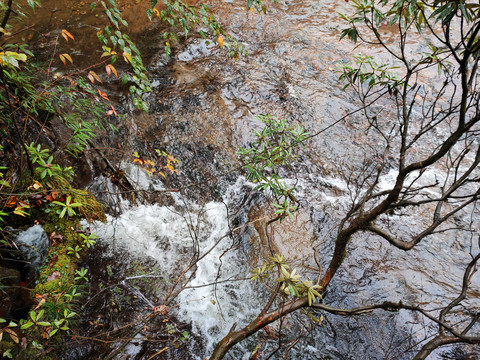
(201,111)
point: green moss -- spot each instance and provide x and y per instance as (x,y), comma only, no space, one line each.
(91,209)
(61,273)
(6,344)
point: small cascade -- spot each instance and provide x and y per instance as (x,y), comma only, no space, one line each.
(216,291)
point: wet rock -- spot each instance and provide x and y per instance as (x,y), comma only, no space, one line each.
(33,244)
(8,279)
(195,50)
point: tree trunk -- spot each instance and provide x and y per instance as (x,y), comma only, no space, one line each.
(260,322)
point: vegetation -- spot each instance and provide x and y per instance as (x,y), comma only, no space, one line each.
(36,105)
(35,187)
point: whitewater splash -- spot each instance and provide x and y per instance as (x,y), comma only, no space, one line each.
(172,236)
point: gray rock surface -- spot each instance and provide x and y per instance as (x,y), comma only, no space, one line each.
(33,243)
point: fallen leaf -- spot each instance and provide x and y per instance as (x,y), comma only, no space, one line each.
(55,275)
(40,303)
(12,202)
(35,186)
(12,334)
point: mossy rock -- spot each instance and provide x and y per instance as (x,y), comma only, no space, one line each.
(91,209)
(62,276)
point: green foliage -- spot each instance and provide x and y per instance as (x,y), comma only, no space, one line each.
(53,313)
(273,149)
(89,239)
(178,335)
(46,169)
(11,58)
(409,15)
(290,283)
(72,99)
(67,207)
(83,110)
(258,5)
(114,43)
(74,251)
(81,274)
(179,14)
(367,72)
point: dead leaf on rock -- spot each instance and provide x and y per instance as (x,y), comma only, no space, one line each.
(55,275)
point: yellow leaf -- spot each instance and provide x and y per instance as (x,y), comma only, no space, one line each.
(2,30)
(68,58)
(65,57)
(67,35)
(220,40)
(155,11)
(17,56)
(93,75)
(35,186)
(111,69)
(127,57)
(40,304)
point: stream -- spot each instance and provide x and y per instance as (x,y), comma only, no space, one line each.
(202,110)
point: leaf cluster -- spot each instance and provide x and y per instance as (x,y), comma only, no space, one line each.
(290,283)
(179,14)
(114,42)
(367,72)
(273,150)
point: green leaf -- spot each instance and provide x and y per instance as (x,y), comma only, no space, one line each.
(27,325)
(292,290)
(168,51)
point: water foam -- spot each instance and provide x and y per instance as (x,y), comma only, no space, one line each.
(169,235)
